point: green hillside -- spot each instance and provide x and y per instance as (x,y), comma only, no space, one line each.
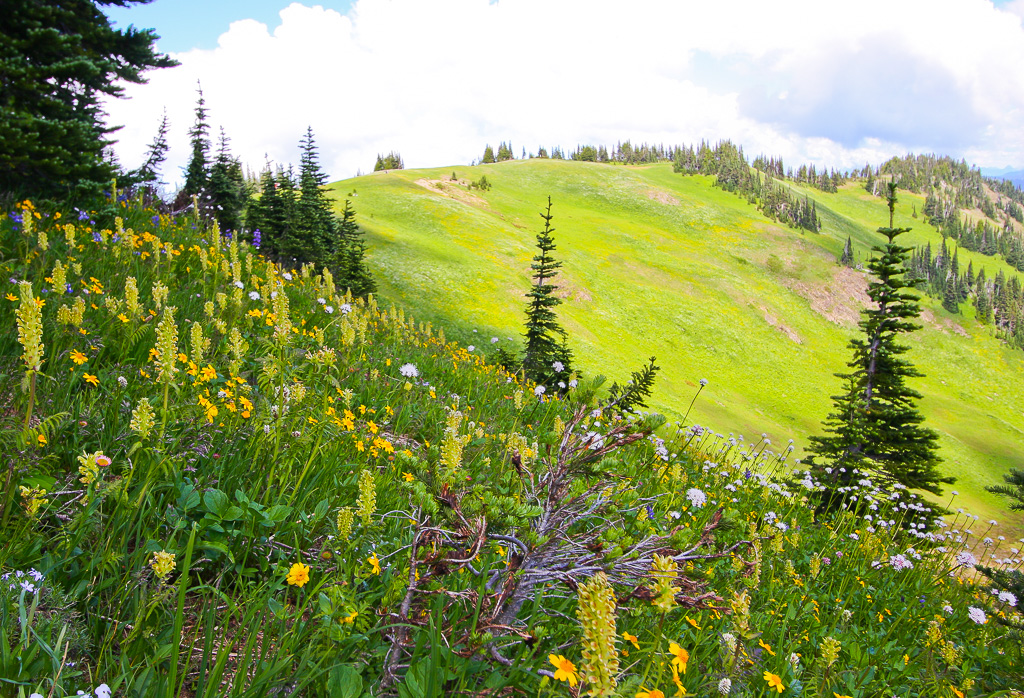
(660,264)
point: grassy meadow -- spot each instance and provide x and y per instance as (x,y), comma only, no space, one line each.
(226,477)
(655,263)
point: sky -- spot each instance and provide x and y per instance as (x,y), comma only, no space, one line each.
(810,81)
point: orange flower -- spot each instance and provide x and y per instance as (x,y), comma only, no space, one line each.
(679,656)
(653,693)
(564,669)
(774,681)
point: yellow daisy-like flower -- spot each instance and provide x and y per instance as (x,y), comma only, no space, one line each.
(692,622)
(774,681)
(653,693)
(374,563)
(78,357)
(631,638)
(298,575)
(564,669)
(766,648)
(41,439)
(89,378)
(408,477)
(350,618)
(679,656)
(11,297)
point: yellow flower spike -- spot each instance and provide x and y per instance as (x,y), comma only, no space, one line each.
(298,575)
(564,669)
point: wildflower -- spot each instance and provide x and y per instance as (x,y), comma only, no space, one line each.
(408,477)
(350,618)
(766,648)
(539,390)
(470,348)
(664,570)
(679,656)
(725,686)
(409,370)
(558,366)
(653,693)
(374,563)
(947,609)
(143,418)
(774,681)
(298,575)
(697,498)
(78,357)
(966,559)
(366,503)
(596,613)
(163,564)
(30,328)
(33,499)
(345,308)
(1008,598)
(122,381)
(977,615)
(632,639)
(328,309)
(564,669)
(830,648)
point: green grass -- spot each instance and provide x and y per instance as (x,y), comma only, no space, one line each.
(655,263)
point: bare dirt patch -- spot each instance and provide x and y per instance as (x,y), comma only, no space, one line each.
(780,326)
(661,196)
(840,300)
(942,324)
(452,190)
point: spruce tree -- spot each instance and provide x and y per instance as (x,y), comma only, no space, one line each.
(353,273)
(875,426)
(149,172)
(847,259)
(488,155)
(547,359)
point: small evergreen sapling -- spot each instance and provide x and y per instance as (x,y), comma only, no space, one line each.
(547,360)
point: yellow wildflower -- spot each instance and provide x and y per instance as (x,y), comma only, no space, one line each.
(374,563)
(564,669)
(298,575)
(774,681)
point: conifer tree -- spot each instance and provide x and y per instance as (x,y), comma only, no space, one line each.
(149,172)
(314,219)
(875,426)
(847,259)
(197,174)
(353,274)
(488,155)
(547,359)
(227,190)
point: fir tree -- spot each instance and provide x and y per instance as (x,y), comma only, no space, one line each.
(353,274)
(546,358)
(149,172)
(847,259)
(314,220)
(58,60)
(488,155)
(197,174)
(875,426)
(227,190)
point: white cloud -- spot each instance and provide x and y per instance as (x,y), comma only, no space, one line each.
(804,79)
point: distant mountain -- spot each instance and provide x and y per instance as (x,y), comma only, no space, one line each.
(1008,173)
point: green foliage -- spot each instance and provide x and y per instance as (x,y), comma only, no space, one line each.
(59,61)
(488,155)
(226,190)
(391,161)
(464,579)
(350,256)
(547,359)
(483,184)
(638,388)
(875,427)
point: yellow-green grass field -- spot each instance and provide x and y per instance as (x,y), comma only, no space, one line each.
(660,264)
